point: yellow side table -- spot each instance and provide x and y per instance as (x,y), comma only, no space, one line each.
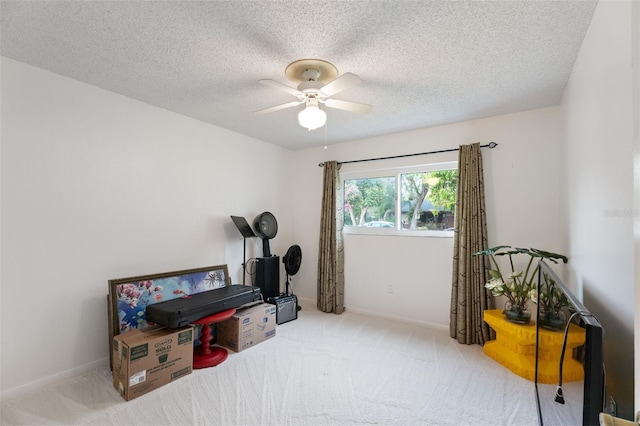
(515,348)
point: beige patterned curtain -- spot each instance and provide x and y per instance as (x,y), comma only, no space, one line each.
(331,251)
(469,298)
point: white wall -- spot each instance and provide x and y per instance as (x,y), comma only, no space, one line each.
(524,201)
(599,121)
(96,186)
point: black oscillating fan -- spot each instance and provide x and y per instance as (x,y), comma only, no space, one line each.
(266,227)
(292,260)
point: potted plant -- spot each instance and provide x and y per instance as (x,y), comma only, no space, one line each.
(519,286)
(551,301)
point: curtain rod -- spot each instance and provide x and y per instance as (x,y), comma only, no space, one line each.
(490,145)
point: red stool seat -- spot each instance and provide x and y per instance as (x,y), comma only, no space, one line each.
(205,355)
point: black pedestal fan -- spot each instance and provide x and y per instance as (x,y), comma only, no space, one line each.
(292,260)
(266,227)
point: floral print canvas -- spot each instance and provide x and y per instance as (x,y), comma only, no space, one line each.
(133,298)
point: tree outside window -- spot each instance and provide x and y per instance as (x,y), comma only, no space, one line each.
(369,200)
(426,201)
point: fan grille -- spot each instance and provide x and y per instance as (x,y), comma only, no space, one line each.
(292,260)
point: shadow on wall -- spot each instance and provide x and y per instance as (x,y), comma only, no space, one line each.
(618,355)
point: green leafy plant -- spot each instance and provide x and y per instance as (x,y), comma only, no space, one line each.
(551,300)
(518,286)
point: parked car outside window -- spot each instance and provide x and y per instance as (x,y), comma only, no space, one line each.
(381,224)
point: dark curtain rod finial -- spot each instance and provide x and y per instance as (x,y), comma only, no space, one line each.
(490,145)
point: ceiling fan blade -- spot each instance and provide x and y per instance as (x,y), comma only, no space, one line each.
(277,85)
(344,82)
(278,107)
(348,106)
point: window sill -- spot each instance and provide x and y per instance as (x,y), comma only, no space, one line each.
(386,232)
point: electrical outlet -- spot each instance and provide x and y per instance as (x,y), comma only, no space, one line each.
(390,288)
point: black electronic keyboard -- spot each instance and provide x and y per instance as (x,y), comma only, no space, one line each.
(179,312)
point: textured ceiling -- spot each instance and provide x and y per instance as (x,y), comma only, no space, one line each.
(422,63)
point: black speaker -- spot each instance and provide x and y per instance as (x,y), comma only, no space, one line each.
(268,276)
(286,308)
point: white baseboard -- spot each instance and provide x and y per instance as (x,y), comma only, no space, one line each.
(304,302)
(55,378)
(396,318)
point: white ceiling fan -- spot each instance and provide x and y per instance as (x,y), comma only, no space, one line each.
(317,83)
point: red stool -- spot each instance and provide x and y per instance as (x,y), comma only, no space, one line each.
(205,355)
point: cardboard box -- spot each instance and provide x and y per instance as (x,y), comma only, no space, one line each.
(144,360)
(248,327)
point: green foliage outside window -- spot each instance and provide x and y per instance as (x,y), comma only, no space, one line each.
(369,199)
(427,200)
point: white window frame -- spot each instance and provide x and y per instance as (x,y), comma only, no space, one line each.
(396,172)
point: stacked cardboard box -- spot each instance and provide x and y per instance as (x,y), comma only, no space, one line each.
(144,360)
(248,327)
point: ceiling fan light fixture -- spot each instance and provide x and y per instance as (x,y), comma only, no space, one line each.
(312,117)
(317,83)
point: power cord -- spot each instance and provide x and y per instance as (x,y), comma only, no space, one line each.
(250,269)
(559,395)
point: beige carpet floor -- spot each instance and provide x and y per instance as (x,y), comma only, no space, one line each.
(321,369)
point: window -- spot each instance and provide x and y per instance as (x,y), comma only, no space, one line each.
(370,202)
(416,200)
